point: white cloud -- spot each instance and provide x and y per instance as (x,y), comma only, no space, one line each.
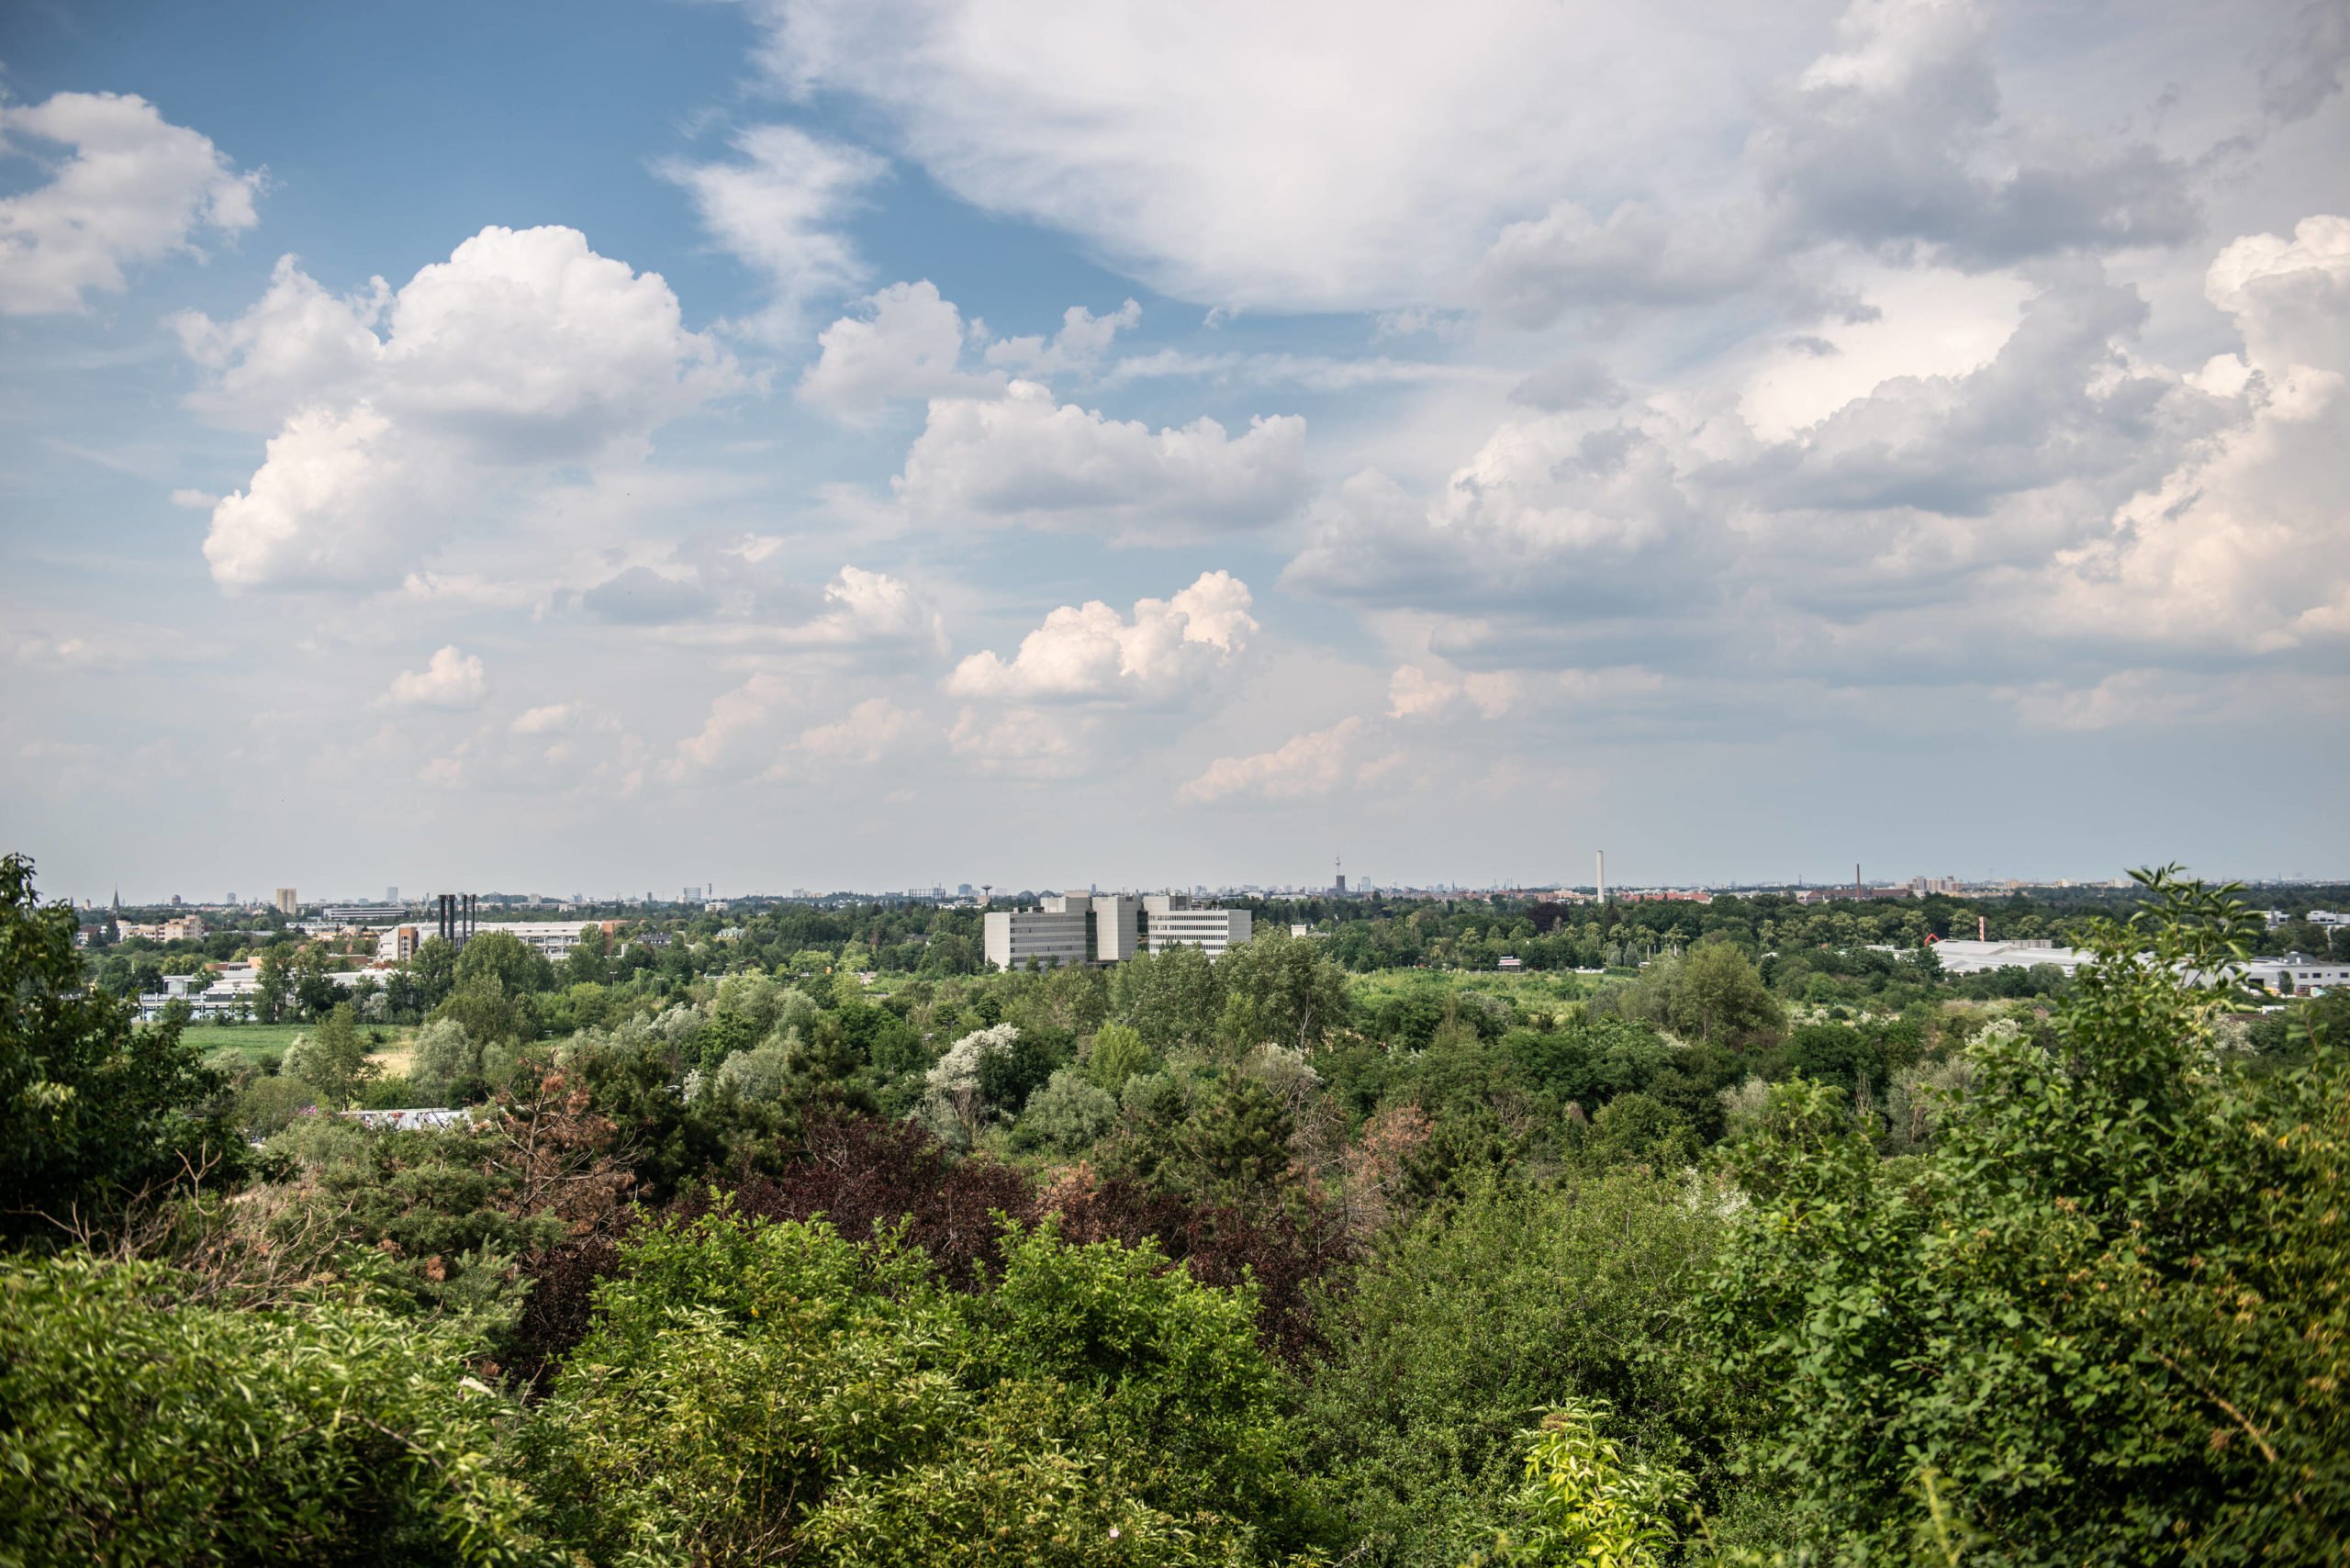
(1025,458)
(554,719)
(1312,766)
(1079,346)
(872,613)
(909,345)
(1168,648)
(135,188)
(1414,693)
(868,732)
(451,681)
(777,209)
(524,352)
(1022,742)
(1327,157)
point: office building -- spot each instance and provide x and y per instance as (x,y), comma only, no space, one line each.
(1172,920)
(287,902)
(1117,928)
(1054,937)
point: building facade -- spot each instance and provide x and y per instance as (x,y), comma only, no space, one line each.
(1053,938)
(1172,920)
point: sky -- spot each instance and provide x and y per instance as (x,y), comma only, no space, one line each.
(875,444)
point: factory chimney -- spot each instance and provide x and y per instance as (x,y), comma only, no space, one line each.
(1602,884)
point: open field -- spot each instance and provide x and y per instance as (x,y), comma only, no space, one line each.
(1536,990)
(229,1045)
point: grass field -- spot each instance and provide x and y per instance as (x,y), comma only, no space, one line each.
(229,1045)
(1534,991)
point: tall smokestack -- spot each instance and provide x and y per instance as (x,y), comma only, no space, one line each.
(1856,878)
(1603,875)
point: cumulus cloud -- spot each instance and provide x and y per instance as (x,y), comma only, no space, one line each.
(451,681)
(134,189)
(776,207)
(1309,767)
(524,352)
(1025,458)
(909,343)
(1167,647)
(1079,346)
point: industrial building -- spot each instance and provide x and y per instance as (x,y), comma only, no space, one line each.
(1108,928)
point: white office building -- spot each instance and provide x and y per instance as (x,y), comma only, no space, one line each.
(1969,956)
(2297,974)
(1055,936)
(1171,920)
(1117,928)
(1107,928)
(555,938)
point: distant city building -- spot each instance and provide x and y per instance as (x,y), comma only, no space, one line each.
(1972,957)
(2297,974)
(1509,966)
(1054,937)
(391,895)
(184,928)
(1117,928)
(1172,920)
(398,945)
(555,938)
(287,902)
(1066,929)
(364,913)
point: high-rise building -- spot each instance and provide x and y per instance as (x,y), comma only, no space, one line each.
(391,895)
(287,904)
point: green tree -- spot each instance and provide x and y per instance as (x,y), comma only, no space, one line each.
(517,965)
(332,1059)
(1171,999)
(93,1105)
(1281,989)
(2108,1309)
(1117,1055)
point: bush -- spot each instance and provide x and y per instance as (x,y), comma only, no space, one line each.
(1467,1325)
(142,1427)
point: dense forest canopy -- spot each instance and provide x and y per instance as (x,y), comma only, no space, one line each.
(789,1237)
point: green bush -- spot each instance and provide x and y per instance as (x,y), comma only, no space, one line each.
(757,1389)
(1465,1326)
(140,1426)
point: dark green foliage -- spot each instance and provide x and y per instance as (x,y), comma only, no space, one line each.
(92,1105)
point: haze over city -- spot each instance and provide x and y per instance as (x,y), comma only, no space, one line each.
(804,444)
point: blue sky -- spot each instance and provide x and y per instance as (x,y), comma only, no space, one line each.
(800,444)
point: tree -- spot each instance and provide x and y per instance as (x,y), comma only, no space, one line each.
(332,1059)
(92,1105)
(519,968)
(1281,989)
(2101,1320)
(1171,999)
